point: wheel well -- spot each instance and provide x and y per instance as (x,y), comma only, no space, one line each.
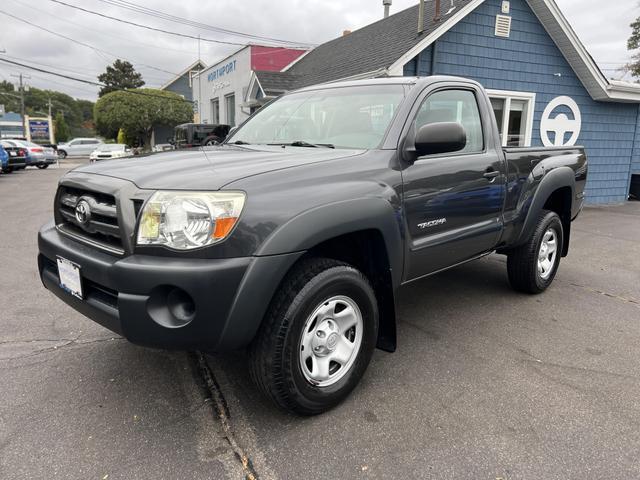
(560,202)
(366,250)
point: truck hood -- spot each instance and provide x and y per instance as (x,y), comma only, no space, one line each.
(210,168)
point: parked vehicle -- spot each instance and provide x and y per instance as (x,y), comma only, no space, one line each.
(78,147)
(36,155)
(13,158)
(293,237)
(190,135)
(108,151)
(163,147)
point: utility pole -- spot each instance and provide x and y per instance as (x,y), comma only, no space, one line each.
(49,106)
(22,106)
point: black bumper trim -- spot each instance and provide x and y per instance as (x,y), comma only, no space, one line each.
(230,295)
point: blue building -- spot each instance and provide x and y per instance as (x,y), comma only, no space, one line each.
(544,86)
(182,84)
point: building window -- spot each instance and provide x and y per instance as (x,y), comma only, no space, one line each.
(215,111)
(514,116)
(230,106)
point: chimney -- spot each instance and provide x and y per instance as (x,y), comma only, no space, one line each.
(421,17)
(346,32)
(386,4)
(437,16)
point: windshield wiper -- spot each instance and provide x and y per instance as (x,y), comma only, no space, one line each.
(302,143)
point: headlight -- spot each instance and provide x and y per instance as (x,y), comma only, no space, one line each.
(186,220)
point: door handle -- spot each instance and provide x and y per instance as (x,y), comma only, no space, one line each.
(491,174)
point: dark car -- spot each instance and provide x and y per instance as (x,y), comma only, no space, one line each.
(12,158)
(190,135)
(293,238)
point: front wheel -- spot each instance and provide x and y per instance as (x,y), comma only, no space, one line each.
(42,166)
(62,154)
(317,338)
(533,266)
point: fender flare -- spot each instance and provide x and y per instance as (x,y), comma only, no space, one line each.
(557,178)
(312,227)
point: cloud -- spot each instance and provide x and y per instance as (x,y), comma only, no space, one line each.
(308,21)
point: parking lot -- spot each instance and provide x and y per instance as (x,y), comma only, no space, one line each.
(486,383)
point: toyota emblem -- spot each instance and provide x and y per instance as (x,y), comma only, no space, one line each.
(83,212)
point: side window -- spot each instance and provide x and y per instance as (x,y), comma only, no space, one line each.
(458,106)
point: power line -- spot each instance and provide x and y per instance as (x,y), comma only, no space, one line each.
(192,23)
(84,27)
(139,25)
(95,49)
(89,82)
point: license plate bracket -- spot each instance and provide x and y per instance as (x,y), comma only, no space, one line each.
(70,277)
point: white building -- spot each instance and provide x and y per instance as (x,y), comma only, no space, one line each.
(220,90)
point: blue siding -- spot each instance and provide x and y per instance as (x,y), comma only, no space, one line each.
(529,61)
(181,87)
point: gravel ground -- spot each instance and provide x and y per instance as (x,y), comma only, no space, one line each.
(486,383)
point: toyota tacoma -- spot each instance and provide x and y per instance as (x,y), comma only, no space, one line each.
(293,237)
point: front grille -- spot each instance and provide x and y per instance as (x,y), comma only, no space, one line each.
(100,227)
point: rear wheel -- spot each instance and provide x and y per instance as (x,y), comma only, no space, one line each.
(8,170)
(211,141)
(533,266)
(317,339)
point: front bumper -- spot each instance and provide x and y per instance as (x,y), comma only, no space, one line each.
(132,295)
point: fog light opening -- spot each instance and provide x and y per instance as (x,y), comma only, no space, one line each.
(171,307)
(181,305)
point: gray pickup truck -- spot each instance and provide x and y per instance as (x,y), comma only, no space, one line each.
(293,237)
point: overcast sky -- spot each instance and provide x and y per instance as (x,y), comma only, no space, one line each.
(603,26)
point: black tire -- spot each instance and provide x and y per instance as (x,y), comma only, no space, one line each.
(8,170)
(211,141)
(42,166)
(522,262)
(275,363)
(62,154)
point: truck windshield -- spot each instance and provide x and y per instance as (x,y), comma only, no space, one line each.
(346,117)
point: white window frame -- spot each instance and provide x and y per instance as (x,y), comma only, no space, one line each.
(226,108)
(508,96)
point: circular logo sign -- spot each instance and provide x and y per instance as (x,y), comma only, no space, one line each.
(83,212)
(561,124)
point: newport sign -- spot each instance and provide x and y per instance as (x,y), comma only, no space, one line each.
(222,71)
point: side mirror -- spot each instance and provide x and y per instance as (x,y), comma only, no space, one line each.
(443,137)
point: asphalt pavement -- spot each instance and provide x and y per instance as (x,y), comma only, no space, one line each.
(486,383)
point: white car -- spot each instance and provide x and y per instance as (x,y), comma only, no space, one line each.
(110,150)
(78,147)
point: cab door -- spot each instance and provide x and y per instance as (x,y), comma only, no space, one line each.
(453,202)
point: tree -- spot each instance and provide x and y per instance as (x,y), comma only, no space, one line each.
(61,128)
(119,76)
(633,44)
(138,111)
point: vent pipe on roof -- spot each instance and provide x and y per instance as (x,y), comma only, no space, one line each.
(437,16)
(421,17)
(386,4)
